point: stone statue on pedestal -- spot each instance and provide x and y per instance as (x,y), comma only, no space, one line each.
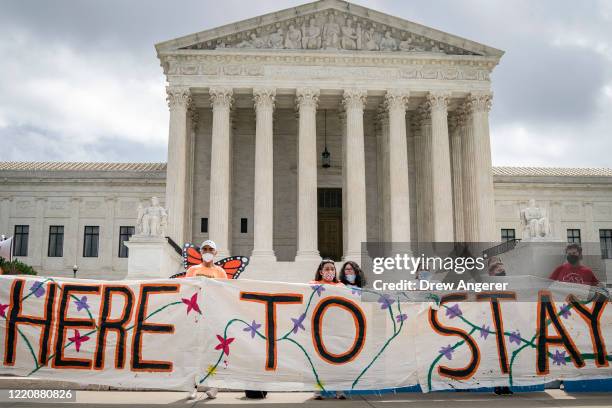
(535,222)
(152,220)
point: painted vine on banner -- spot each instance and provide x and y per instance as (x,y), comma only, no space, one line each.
(280,336)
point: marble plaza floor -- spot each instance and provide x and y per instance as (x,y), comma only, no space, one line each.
(548,399)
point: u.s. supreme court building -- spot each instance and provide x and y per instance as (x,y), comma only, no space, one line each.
(300,134)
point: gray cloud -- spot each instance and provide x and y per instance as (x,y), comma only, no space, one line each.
(67,63)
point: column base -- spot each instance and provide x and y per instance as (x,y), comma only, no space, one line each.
(308,256)
(263,255)
(352,256)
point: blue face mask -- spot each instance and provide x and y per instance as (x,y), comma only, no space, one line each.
(350,278)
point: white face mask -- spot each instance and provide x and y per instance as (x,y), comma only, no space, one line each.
(208,257)
(351,278)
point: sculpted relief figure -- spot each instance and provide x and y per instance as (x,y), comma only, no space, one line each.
(254,42)
(293,38)
(331,33)
(311,36)
(535,222)
(349,36)
(152,220)
(388,43)
(369,40)
(408,45)
(277,39)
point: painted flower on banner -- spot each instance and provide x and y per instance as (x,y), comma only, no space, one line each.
(484,331)
(77,339)
(212,370)
(454,311)
(401,317)
(298,323)
(192,303)
(355,290)
(224,344)
(252,328)
(319,289)
(447,352)
(565,311)
(37,289)
(515,337)
(3,310)
(385,301)
(81,304)
(559,358)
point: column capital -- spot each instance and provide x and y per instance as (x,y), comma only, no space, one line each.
(307,97)
(456,119)
(437,100)
(264,97)
(396,98)
(194,117)
(221,97)
(178,97)
(423,115)
(354,98)
(479,102)
(382,115)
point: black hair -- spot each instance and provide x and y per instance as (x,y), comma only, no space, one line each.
(360,280)
(319,275)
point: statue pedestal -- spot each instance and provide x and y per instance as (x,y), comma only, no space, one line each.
(152,258)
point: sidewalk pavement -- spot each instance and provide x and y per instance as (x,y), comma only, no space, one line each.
(548,399)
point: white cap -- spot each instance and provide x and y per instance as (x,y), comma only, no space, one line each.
(209,243)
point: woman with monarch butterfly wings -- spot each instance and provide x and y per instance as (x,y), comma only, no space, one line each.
(232,266)
(200,263)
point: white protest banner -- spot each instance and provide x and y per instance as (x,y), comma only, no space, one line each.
(121,333)
(245,334)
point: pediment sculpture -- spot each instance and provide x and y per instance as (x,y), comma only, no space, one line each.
(330,30)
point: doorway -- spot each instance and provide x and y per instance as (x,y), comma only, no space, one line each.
(330,223)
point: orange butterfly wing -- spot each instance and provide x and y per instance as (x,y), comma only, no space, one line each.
(233,265)
(191,256)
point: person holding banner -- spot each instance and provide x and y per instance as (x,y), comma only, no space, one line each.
(207,268)
(326,274)
(351,275)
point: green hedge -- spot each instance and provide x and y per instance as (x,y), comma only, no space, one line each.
(16,267)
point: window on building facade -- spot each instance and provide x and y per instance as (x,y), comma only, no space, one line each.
(124,235)
(56,241)
(573,236)
(91,241)
(204,225)
(507,234)
(605,238)
(20,240)
(244,225)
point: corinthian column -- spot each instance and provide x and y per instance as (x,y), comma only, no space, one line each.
(399,197)
(307,249)
(442,193)
(477,180)
(354,173)
(456,123)
(264,180)
(220,170)
(179,100)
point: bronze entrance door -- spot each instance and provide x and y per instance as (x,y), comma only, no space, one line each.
(330,223)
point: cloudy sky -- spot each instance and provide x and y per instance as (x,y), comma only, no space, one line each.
(79,80)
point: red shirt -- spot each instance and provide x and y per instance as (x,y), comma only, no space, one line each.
(574,274)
